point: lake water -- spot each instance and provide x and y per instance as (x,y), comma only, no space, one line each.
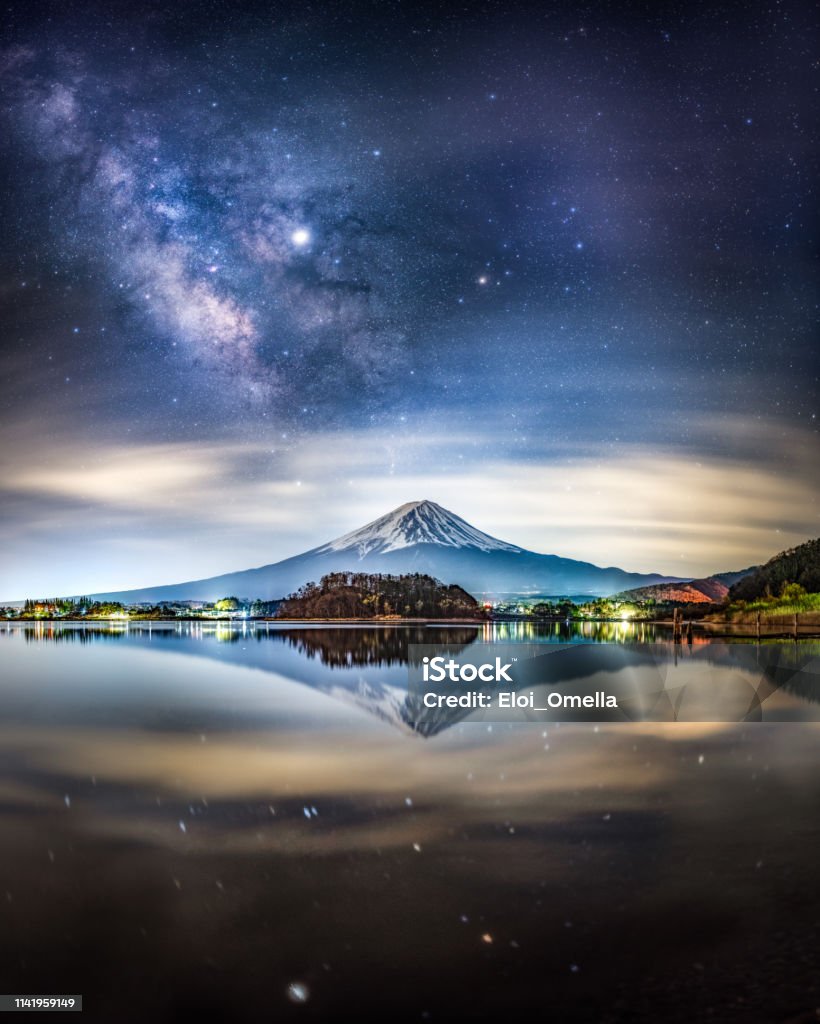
(234,822)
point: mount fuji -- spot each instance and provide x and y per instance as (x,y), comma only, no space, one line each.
(422,537)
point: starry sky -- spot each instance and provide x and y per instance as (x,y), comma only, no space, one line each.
(268,270)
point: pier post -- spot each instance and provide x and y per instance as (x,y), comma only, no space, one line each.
(757,623)
(676,625)
(794,626)
(689,631)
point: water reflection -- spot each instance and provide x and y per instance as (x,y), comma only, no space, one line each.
(378,638)
(349,648)
(194,819)
(366,666)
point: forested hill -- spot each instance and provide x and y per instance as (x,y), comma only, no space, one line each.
(799,565)
(358,595)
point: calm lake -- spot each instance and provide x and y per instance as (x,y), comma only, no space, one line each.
(241,823)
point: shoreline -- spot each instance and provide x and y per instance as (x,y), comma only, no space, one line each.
(723,629)
(116,620)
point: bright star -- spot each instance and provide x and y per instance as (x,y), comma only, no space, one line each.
(300,237)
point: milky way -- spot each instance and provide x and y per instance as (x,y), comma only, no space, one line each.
(521,226)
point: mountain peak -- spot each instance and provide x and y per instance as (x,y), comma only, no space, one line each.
(416,522)
(425,506)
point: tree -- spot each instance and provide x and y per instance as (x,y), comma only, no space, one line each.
(370,595)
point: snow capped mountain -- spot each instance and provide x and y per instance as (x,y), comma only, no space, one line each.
(417,522)
(418,537)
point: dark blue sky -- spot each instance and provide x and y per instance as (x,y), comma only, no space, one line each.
(299,261)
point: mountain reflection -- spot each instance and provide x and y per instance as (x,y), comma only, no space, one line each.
(366,666)
(380,648)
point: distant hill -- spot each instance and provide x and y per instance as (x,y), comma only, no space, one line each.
(710,590)
(797,565)
(730,578)
(359,595)
(419,537)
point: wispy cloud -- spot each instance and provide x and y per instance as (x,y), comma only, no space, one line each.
(98,515)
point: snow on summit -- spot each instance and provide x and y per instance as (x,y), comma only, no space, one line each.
(417,522)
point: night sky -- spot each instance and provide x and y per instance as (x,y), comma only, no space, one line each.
(270,270)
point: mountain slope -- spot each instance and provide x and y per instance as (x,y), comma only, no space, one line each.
(710,590)
(422,537)
(730,578)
